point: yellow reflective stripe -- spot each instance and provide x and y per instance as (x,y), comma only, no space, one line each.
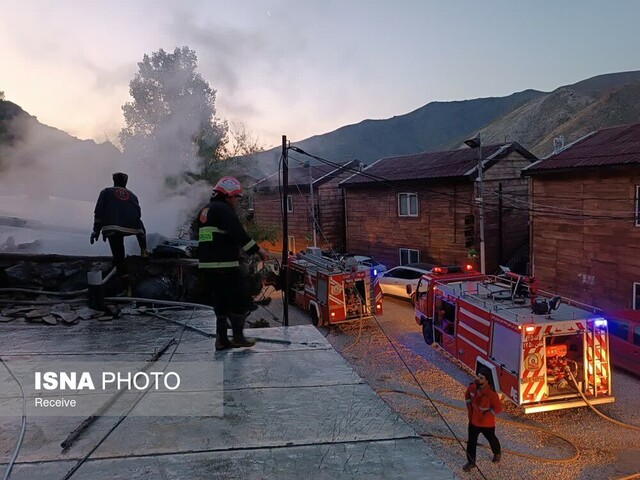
(218,264)
(205,234)
(250,244)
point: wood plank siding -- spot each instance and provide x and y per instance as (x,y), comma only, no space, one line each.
(329,210)
(594,260)
(374,227)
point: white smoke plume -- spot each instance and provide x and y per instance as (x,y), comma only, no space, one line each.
(53,180)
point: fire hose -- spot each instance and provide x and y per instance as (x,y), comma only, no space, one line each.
(425,397)
(586,400)
(502,420)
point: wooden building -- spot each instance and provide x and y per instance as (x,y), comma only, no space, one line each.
(585,219)
(424,207)
(327,201)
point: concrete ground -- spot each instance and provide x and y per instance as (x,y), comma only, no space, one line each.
(293,408)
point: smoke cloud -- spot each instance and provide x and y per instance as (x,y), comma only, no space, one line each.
(53,180)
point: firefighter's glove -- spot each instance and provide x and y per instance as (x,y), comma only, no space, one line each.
(94,236)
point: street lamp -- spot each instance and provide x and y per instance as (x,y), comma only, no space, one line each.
(477,143)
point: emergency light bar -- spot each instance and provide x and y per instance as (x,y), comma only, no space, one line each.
(453,269)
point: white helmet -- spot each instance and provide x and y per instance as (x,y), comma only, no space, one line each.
(229,186)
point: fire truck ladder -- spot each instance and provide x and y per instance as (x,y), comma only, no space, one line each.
(597,352)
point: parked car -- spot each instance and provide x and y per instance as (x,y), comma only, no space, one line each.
(395,281)
(624,339)
(360,259)
(370,262)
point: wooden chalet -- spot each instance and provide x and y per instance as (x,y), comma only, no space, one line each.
(323,181)
(424,207)
(585,219)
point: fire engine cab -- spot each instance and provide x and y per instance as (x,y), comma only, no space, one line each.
(333,291)
(540,351)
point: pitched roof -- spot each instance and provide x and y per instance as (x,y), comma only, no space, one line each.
(320,173)
(434,165)
(606,147)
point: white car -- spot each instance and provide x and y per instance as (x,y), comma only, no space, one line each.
(394,282)
(370,262)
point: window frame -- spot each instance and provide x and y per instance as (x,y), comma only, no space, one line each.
(636,296)
(291,243)
(289,203)
(407,196)
(408,250)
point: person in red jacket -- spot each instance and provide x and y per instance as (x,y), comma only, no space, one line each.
(483,404)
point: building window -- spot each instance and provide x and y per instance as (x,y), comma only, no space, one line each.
(292,244)
(636,296)
(409,255)
(408,204)
(289,204)
(637,205)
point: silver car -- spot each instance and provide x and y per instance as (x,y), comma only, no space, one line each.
(394,281)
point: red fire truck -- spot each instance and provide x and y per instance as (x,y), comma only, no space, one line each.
(540,351)
(333,291)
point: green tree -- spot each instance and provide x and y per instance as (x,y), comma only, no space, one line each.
(172,101)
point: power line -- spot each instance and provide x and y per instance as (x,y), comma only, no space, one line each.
(543,211)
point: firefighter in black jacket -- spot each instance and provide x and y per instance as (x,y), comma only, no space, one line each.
(117,215)
(225,282)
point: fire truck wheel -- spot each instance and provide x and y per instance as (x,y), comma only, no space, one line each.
(427,332)
(314,317)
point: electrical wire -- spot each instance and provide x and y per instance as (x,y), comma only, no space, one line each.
(394,187)
(23,428)
(426,395)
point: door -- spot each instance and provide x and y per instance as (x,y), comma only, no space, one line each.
(620,343)
(444,325)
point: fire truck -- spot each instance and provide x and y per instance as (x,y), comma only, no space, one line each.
(333,291)
(543,352)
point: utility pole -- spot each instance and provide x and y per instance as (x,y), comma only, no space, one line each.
(313,207)
(477,143)
(284,271)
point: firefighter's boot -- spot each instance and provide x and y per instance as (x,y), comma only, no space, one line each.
(237,325)
(469,466)
(496,458)
(222,339)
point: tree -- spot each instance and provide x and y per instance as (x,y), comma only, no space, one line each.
(1,96)
(173,111)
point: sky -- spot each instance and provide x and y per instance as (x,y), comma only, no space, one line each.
(280,67)
(300,67)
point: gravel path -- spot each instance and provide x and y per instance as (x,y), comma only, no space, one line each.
(606,451)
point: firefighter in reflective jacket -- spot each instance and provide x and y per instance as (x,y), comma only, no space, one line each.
(224,282)
(117,215)
(483,404)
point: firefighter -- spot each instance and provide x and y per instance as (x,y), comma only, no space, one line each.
(483,404)
(223,280)
(117,215)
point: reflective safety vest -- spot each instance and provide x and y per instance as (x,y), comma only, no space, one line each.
(221,236)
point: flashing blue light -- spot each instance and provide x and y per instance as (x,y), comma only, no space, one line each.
(375,272)
(600,322)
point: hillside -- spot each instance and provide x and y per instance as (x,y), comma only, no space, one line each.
(31,150)
(531,117)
